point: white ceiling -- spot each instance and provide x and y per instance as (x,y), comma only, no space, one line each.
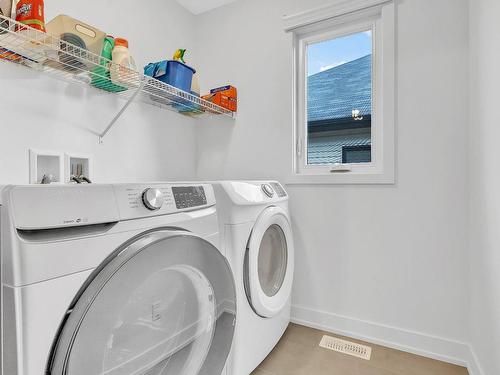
(201,6)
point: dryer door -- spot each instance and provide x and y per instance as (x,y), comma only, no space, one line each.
(269,263)
(163,304)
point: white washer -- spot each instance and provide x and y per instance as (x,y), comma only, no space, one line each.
(115,280)
(257,240)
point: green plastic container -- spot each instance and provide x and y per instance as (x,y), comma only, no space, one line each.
(101,77)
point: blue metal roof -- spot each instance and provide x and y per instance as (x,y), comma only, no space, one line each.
(334,93)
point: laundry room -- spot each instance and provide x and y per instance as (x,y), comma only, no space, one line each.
(236,187)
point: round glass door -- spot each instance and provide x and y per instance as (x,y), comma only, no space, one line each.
(164,305)
(272,259)
(269,263)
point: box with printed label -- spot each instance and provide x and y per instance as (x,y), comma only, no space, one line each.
(225,97)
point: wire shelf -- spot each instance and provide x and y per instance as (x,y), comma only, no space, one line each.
(47,53)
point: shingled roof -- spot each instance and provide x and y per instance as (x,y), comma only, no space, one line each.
(334,93)
(332,96)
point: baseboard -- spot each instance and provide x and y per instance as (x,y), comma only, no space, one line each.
(435,347)
(473,365)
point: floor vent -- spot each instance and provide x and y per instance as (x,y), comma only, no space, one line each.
(346,347)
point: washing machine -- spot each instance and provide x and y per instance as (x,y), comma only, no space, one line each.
(114,279)
(257,241)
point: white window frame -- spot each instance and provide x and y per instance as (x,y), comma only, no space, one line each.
(332,22)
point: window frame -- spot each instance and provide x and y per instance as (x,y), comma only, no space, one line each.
(380,19)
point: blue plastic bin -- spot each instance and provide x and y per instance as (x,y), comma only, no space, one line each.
(173,73)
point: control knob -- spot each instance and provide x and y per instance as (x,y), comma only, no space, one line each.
(152,199)
(268,190)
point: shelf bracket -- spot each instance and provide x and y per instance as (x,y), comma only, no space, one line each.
(122,110)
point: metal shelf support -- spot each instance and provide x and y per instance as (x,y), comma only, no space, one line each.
(120,113)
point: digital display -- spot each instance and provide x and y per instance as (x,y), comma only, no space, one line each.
(189,196)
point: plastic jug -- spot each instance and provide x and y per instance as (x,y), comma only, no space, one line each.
(123,65)
(101,75)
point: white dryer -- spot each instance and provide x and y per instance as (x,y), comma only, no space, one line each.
(257,241)
(114,280)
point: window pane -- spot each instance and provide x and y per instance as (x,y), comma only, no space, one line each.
(339,100)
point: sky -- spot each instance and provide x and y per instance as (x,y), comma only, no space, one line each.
(335,52)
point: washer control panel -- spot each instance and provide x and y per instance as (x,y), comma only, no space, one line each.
(136,200)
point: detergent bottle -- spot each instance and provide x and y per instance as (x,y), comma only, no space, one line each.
(123,64)
(30,13)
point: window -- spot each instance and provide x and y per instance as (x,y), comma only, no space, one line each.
(344,90)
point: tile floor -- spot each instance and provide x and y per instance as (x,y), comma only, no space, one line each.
(298,353)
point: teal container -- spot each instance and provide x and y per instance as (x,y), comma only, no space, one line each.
(101,77)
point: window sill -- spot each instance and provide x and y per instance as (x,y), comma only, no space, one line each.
(348,178)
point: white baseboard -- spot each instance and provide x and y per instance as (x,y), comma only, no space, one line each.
(435,347)
(473,365)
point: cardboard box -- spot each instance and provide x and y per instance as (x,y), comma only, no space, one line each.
(225,97)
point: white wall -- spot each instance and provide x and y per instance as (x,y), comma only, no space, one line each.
(146,144)
(386,262)
(485,184)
